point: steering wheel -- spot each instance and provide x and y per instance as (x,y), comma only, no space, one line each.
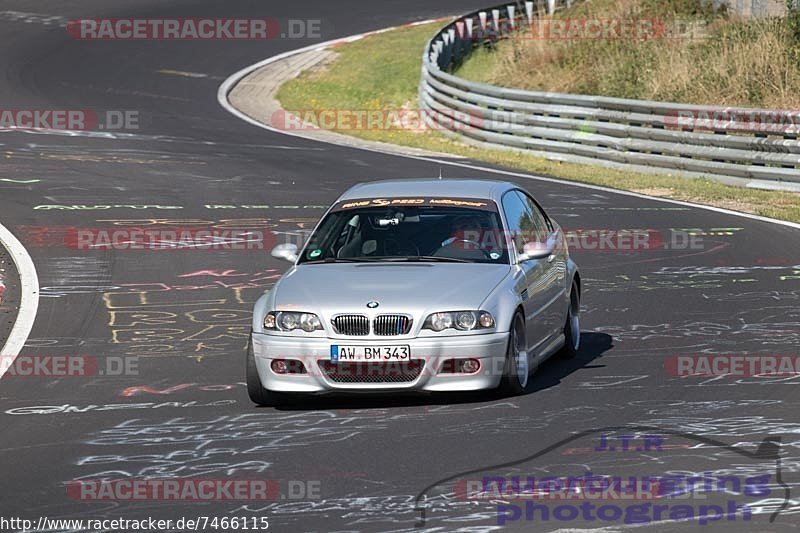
(476,246)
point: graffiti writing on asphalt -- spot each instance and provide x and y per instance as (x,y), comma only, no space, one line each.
(22,182)
(754,296)
(137,390)
(156,324)
(91,408)
(103,207)
(215,279)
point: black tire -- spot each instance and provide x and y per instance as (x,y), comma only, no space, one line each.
(572,328)
(258,394)
(512,384)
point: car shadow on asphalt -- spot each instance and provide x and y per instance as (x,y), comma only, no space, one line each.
(593,345)
(551,373)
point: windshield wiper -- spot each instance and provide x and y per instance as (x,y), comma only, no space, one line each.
(338,260)
(390,259)
(428,258)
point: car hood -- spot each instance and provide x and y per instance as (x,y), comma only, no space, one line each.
(409,288)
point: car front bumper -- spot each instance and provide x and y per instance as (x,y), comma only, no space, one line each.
(431,353)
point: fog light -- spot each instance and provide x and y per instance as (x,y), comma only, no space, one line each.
(470,366)
(460,366)
(287,366)
(279,366)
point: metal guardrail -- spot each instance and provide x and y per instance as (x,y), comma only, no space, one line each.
(693,140)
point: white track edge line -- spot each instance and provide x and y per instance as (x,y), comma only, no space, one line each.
(29,299)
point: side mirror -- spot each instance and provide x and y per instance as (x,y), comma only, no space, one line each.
(537,249)
(287,252)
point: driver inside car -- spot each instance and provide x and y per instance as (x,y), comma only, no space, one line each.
(466,233)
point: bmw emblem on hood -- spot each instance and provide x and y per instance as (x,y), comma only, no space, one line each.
(373,304)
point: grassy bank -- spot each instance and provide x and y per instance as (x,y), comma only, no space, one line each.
(381,72)
(699,56)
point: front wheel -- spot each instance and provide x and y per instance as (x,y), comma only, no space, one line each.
(258,394)
(572,328)
(517,370)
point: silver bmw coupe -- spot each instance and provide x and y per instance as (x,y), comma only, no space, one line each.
(426,285)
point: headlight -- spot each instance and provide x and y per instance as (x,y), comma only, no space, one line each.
(460,320)
(290,321)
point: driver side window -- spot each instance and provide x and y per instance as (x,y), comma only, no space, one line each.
(540,222)
(520,226)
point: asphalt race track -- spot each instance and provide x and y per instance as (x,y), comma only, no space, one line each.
(365,461)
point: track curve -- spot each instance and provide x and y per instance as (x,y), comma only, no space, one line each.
(184,314)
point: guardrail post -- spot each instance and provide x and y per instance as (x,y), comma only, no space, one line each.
(529,12)
(551,7)
(511,20)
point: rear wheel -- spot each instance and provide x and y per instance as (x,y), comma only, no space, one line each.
(258,394)
(572,328)
(517,370)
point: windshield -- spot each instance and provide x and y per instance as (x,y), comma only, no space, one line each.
(429,233)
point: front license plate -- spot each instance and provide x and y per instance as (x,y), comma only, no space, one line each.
(370,353)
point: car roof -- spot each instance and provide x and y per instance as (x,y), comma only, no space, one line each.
(454,188)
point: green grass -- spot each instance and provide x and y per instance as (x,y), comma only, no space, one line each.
(715,59)
(381,72)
